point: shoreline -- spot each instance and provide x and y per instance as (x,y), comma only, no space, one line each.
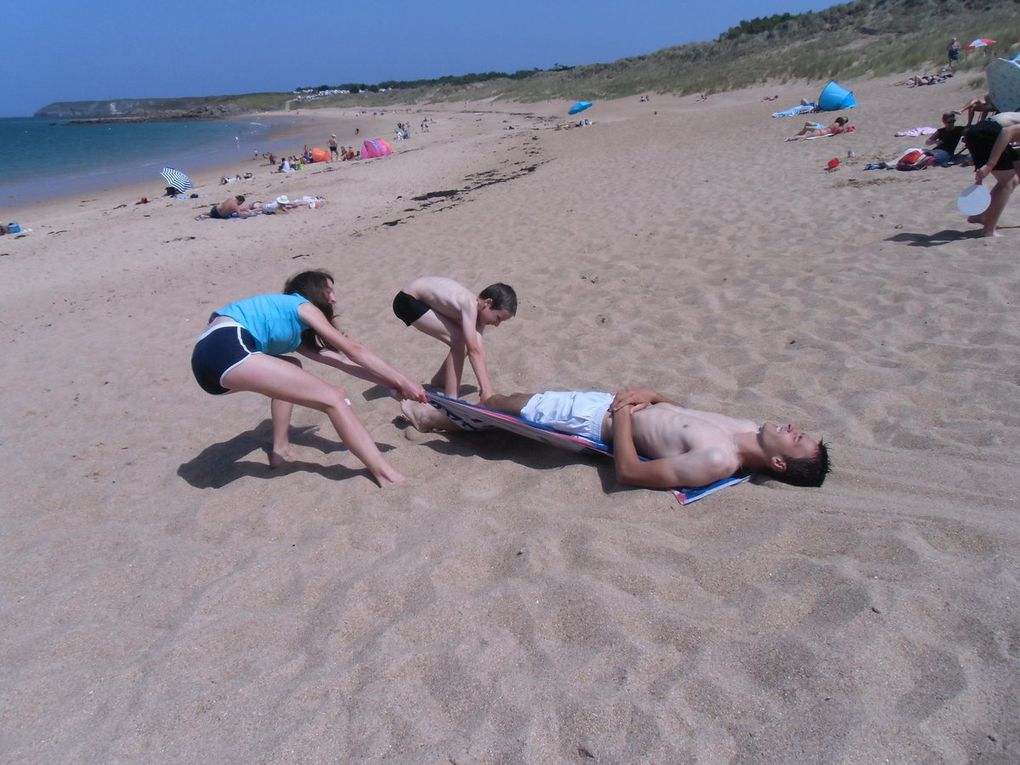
(311,127)
(282,133)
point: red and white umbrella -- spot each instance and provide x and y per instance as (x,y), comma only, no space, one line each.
(981,42)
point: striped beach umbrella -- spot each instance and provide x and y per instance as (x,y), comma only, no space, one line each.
(981,42)
(176,179)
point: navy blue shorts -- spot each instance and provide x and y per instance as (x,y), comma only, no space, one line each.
(218,350)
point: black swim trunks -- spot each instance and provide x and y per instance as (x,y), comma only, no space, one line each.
(214,211)
(409,309)
(980,140)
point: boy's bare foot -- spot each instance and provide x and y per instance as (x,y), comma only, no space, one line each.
(281,457)
(976,218)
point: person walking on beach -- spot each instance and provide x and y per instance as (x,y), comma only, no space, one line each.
(684,447)
(244,347)
(953,53)
(334,152)
(451,313)
(989,145)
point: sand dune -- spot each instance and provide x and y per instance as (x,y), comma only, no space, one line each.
(168,598)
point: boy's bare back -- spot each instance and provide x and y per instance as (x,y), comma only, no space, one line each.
(444,296)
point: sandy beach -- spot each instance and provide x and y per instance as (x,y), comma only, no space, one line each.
(169,598)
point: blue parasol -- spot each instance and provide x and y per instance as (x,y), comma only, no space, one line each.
(580,106)
(176,179)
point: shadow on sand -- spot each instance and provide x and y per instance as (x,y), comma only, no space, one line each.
(499,446)
(945,236)
(220,464)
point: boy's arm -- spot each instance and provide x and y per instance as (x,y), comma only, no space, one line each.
(476,352)
(696,468)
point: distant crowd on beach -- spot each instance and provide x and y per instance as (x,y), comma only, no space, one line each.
(991,141)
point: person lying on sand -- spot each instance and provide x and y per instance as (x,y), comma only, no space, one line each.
(451,313)
(232,207)
(814,129)
(685,447)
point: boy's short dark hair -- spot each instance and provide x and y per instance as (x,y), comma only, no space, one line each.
(502,297)
(240,199)
(806,471)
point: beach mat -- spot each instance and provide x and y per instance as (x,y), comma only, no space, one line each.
(474,417)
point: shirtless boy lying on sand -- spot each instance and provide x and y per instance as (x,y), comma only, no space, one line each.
(686,447)
(451,313)
(232,207)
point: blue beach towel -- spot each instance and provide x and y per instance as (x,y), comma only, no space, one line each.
(795,110)
(474,417)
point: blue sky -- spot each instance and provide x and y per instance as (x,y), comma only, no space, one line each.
(70,50)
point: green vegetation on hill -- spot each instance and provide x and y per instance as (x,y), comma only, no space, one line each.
(866,38)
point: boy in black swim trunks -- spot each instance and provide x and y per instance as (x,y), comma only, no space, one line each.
(450,312)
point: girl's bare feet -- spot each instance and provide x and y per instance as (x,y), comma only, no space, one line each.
(391,478)
(280,457)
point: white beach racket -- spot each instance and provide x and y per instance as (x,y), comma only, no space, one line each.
(973,200)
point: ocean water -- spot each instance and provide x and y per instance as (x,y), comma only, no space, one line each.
(41,158)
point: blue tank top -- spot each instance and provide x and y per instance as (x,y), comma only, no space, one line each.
(273,321)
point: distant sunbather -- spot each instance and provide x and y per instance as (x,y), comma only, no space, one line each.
(233,207)
(815,130)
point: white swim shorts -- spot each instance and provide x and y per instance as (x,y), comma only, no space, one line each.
(577,412)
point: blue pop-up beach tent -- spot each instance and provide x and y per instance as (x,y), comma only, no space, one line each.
(835,97)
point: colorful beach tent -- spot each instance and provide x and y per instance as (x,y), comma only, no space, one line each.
(1004,84)
(835,97)
(375,147)
(320,155)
